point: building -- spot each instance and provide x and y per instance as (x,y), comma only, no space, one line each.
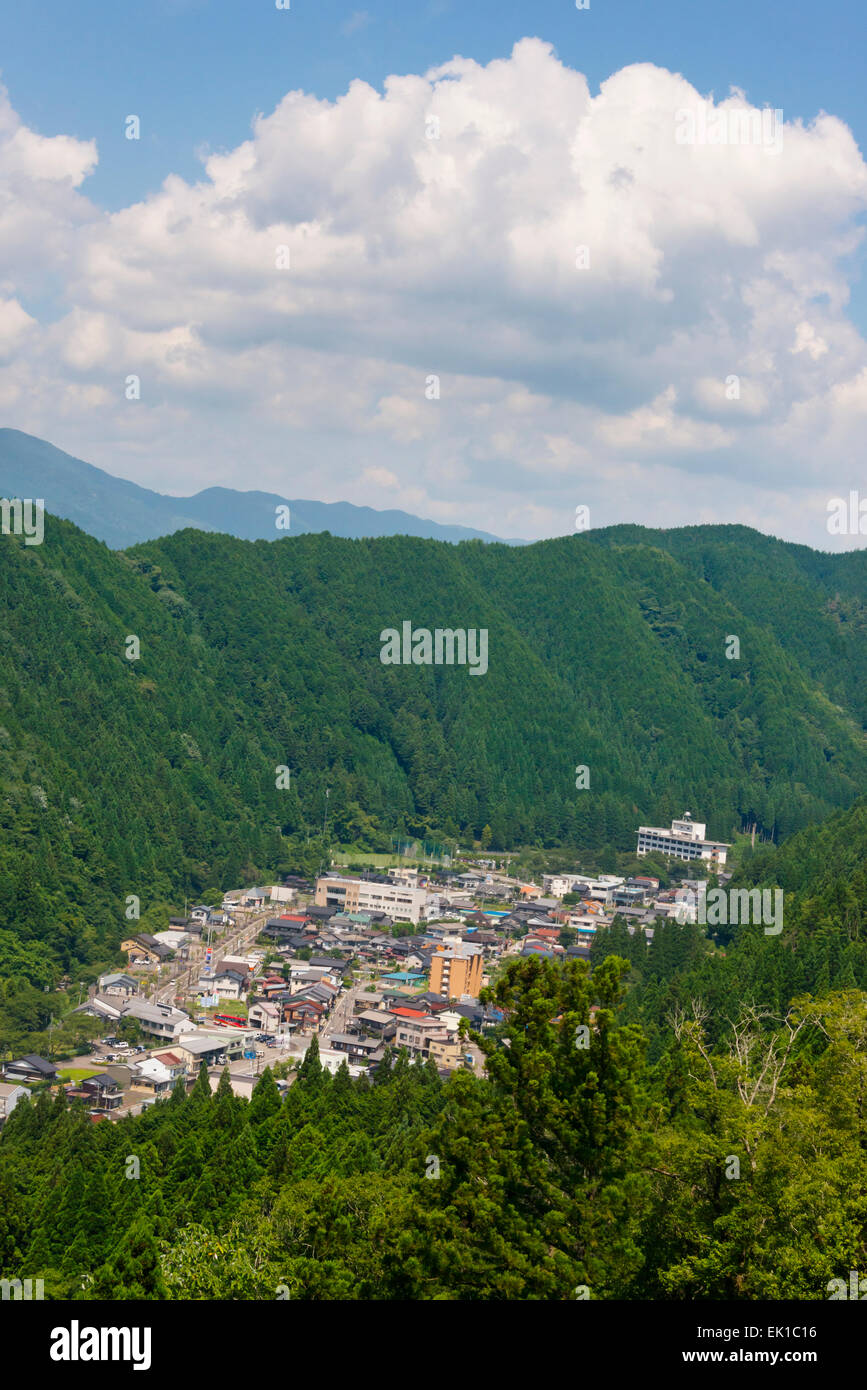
(173,1063)
(193,1049)
(377,1022)
(685,840)
(456,971)
(358,1048)
(227,983)
(145,950)
(561,884)
(10,1094)
(265,1014)
(153,1075)
(100,1091)
(119,986)
(30,1068)
(408,877)
(160,1020)
(401,903)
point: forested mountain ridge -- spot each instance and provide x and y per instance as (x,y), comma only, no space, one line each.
(156,776)
(813,603)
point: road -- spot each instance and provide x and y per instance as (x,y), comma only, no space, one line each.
(341,1014)
(184,975)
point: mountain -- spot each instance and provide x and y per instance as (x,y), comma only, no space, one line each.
(121,513)
(156,777)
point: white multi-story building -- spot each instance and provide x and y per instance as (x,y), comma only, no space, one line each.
(685,840)
(601,888)
(402,904)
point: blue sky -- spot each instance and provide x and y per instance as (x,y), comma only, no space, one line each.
(452,258)
(197,71)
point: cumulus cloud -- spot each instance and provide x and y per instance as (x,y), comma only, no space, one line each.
(584,283)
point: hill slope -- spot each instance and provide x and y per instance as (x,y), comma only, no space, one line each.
(156,777)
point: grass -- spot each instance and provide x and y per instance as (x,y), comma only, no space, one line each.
(229,1006)
(76,1073)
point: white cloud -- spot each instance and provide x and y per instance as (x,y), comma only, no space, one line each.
(565,378)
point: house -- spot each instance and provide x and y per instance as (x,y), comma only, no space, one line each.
(104,1006)
(242,1084)
(255,897)
(152,1075)
(10,1094)
(160,1020)
(100,1091)
(304,1013)
(272,986)
(146,950)
(265,1014)
(332,1060)
(118,986)
(378,1023)
(446,1051)
(173,1062)
(418,1035)
(229,984)
(360,1049)
(329,963)
(198,1048)
(30,1068)
(367,1000)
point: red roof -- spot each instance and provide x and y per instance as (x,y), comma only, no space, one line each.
(409,1013)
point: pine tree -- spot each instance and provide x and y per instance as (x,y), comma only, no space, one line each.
(132,1272)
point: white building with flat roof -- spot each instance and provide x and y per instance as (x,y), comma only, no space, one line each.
(685,840)
(402,904)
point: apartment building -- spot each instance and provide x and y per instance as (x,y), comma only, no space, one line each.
(400,902)
(685,840)
(456,970)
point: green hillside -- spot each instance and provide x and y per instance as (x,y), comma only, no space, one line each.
(156,777)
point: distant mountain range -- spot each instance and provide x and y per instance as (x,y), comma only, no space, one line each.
(123,514)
